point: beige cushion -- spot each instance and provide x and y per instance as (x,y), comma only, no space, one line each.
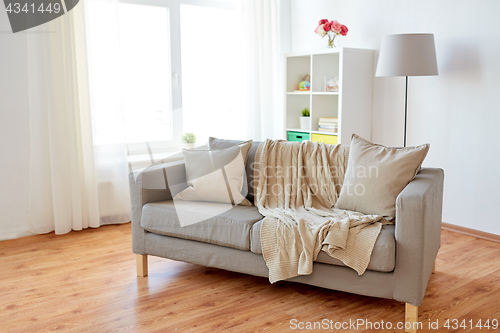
(376,175)
(216,144)
(216,175)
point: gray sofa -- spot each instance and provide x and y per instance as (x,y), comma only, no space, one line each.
(401,264)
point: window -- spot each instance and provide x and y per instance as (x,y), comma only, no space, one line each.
(145,67)
(211,71)
(136,48)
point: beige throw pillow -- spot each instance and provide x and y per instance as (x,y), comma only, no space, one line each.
(218,144)
(376,175)
(215,175)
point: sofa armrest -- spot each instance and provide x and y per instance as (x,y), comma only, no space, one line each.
(418,234)
(153,184)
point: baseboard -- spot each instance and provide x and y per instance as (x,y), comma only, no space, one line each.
(6,235)
(471,232)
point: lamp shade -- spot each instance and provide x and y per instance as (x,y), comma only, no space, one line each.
(407,55)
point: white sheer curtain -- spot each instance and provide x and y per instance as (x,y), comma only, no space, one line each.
(69,186)
(62,182)
(108,128)
(263,61)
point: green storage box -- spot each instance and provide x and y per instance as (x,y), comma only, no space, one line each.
(298,136)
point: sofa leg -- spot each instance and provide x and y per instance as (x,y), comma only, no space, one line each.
(434,268)
(411,318)
(142,265)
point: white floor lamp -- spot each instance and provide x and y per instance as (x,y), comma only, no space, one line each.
(407,55)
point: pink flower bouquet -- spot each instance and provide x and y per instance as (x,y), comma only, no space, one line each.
(332,29)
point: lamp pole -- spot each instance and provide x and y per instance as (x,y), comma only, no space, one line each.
(406,107)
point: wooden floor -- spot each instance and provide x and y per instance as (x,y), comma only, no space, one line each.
(85,282)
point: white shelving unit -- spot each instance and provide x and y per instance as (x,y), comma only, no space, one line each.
(352,104)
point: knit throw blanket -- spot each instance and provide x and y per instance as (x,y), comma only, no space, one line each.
(296,187)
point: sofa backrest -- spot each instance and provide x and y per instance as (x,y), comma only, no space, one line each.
(250,169)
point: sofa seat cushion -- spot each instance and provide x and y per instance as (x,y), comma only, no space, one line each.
(230,228)
(383,257)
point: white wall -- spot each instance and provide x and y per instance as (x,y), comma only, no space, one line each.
(14,132)
(457,112)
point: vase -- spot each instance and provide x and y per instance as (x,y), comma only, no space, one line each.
(331,41)
(305,124)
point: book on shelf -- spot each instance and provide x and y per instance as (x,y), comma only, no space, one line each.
(328,129)
(328,119)
(328,124)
